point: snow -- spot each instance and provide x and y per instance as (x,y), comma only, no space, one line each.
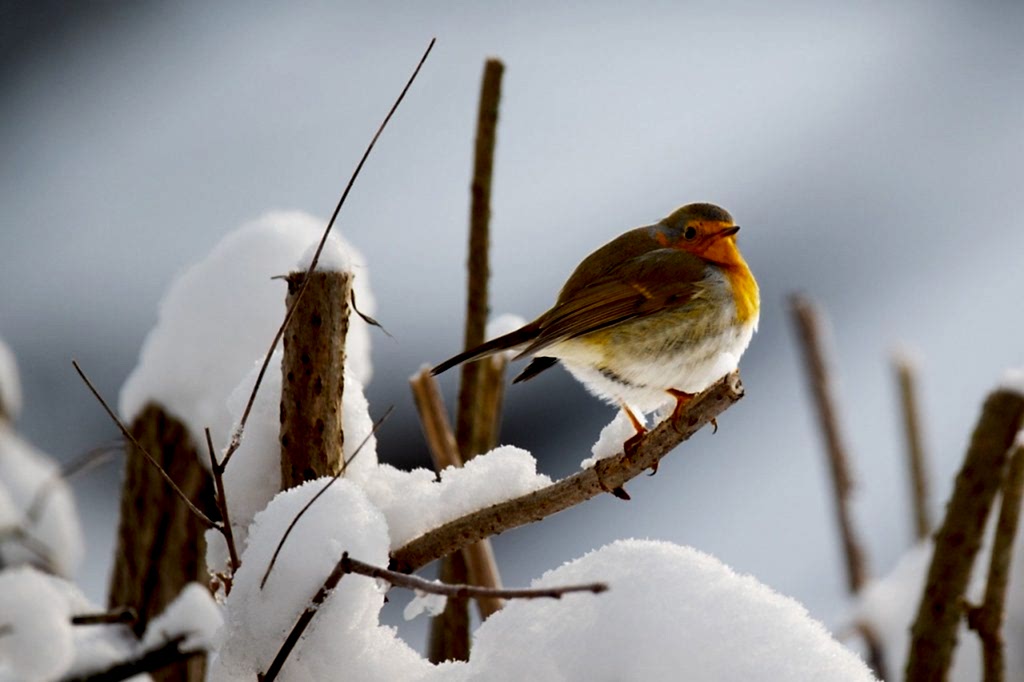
(889,605)
(414,501)
(36,642)
(10,383)
(424,602)
(613,436)
(194,614)
(217,320)
(55,529)
(1013,380)
(253,476)
(345,638)
(332,259)
(671,613)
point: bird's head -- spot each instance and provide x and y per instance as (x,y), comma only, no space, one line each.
(704,230)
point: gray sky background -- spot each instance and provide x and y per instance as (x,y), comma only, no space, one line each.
(872,154)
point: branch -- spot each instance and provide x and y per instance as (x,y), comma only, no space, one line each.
(148,661)
(217,469)
(607,475)
(479,556)
(411,582)
(203,518)
(122,616)
(236,436)
(809,327)
(987,620)
(305,507)
(905,376)
(467,419)
(78,465)
(933,635)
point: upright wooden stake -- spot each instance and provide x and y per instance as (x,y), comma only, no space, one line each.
(314,378)
(160,546)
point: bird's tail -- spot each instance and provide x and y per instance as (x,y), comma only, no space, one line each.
(511,340)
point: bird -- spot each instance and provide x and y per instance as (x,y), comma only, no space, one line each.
(657,314)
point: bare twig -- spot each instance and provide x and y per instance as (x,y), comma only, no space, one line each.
(479,556)
(78,465)
(809,324)
(287,532)
(148,661)
(479,245)
(122,616)
(905,376)
(934,633)
(605,476)
(987,620)
(203,518)
(411,582)
(217,469)
(236,436)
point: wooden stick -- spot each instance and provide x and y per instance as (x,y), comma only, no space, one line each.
(313,369)
(809,327)
(934,633)
(479,245)
(906,378)
(479,557)
(604,477)
(988,619)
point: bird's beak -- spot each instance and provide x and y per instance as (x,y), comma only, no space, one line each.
(729,231)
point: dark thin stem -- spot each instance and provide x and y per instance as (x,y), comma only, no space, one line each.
(203,518)
(85,462)
(236,436)
(124,616)
(149,661)
(411,582)
(217,469)
(288,531)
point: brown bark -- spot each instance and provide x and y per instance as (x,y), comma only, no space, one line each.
(934,633)
(313,378)
(160,545)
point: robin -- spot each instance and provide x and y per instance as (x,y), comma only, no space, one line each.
(658,313)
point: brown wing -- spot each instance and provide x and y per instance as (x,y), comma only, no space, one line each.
(656,281)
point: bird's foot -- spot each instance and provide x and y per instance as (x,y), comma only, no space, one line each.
(714,424)
(682,399)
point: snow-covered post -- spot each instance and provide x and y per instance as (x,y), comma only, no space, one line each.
(313,373)
(160,546)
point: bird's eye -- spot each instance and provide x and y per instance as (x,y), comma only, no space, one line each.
(690,233)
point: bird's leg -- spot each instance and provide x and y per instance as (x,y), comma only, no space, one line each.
(682,399)
(633,442)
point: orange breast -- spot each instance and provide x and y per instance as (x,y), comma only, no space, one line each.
(745,293)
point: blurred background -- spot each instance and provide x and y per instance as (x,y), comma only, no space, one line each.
(873,153)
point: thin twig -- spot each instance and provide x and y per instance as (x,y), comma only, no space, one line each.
(78,465)
(810,324)
(148,661)
(987,620)
(341,472)
(411,582)
(203,518)
(934,633)
(481,567)
(217,469)
(236,435)
(905,376)
(122,616)
(606,476)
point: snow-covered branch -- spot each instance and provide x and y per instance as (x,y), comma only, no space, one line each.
(605,476)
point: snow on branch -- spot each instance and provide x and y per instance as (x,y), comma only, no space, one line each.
(605,476)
